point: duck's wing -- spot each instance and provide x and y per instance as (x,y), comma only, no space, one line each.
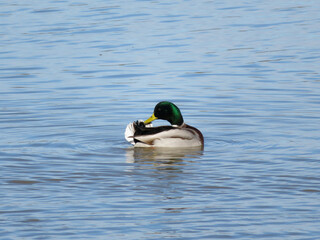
(149,135)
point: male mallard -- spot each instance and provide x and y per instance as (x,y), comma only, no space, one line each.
(179,134)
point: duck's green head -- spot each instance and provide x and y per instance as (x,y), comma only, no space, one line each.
(166,111)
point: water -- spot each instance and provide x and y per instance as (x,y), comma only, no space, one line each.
(74,73)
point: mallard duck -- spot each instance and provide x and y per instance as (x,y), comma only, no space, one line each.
(142,134)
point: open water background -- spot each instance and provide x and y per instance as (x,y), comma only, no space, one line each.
(74,73)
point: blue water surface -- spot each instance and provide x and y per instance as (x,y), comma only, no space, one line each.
(73,74)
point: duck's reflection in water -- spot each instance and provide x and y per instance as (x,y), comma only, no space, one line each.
(162,156)
(159,175)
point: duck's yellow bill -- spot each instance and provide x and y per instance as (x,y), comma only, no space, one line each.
(150,119)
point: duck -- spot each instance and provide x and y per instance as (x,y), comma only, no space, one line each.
(176,135)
